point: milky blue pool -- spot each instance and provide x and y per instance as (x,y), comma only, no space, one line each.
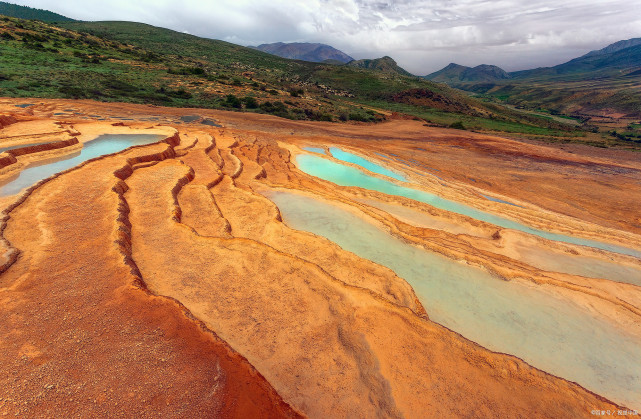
(360,161)
(105,144)
(548,332)
(349,176)
(315,150)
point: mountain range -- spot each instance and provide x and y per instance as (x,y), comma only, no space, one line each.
(602,82)
(622,55)
(454,73)
(385,64)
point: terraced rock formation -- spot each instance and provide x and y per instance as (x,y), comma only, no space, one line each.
(83,336)
(162,281)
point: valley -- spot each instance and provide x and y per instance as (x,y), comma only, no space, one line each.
(600,88)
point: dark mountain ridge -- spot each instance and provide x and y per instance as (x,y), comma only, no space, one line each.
(601,82)
(617,56)
(314,52)
(385,64)
(25,12)
(620,55)
(455,73)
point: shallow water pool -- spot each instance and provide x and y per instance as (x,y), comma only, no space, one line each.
(548,332)
(105,144)
(314,149)
(360,161)
(349,176)
(491,198)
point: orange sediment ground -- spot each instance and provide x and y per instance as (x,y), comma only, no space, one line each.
(160,282)
(80,336)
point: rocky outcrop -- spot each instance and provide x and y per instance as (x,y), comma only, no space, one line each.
(6,120)
(7,160)
(431,99)
(55,145)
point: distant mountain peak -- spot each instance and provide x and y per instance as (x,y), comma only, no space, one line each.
(615,47)
(385,64)
(455,73)
(451,66)
(306,51)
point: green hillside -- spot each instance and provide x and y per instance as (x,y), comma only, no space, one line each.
(223,57)
(132,62)
(24,12)
(384,64)
(365,82)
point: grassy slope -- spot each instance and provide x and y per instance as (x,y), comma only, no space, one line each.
(569,94)
(368,87)
(131,62)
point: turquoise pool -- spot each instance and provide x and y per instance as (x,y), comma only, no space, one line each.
(548,332)
(105,144)
(360,161)
(349,176)
(315,150)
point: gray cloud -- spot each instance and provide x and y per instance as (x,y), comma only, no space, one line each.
(422,35)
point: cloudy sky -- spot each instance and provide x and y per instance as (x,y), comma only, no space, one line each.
(422,35)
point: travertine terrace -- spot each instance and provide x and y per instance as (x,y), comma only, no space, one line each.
(161,281)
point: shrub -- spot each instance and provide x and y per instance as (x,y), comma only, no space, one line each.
(250,102)
(119,85)
(179,94)
(232,101)
(296,92)
(150,57)
(73,92)
(277,108)
(457,125)
(357,117)
(36,45)
(187,71)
